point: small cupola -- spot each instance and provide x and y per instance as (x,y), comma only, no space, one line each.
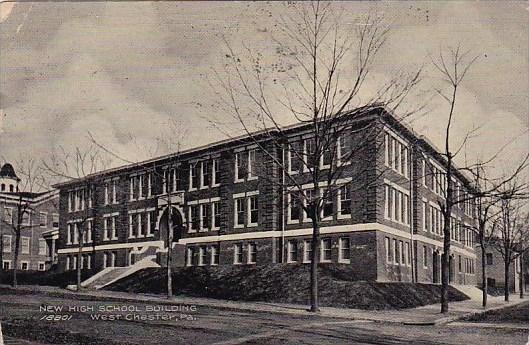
(8,179)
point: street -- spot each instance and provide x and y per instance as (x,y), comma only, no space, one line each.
(46,319)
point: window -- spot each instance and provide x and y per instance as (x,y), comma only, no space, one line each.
(8,215)
(55,220)
(293,160)
(423,170)
(205,217)
(7,243)
(292,247)
(134,187)
(293,207)
(240,166)
(237,253)
(216,215)
(397,252)
(25,241)
(24,265)
(489,258)
(43,247)
(105,260)
(345,200)
(425,256)
(402,253)
(328,204)
(140,224)
(309,150)
(6,265)
(110,192)
(307,251)
(252,253)
(326,250)
(202,252)
(424,216)
(459,263)
(309,197)
(195,218)
(343,152)
(407,253)
(239,212)
(214,255)
(345,250)
(190,256)
(43,219)
(193,176)
(389,253)
(26,218)
(252,164)
(216,172)
(132,225)
(396,205)
(206,175)
(253,214)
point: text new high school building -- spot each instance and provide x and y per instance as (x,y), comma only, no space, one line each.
(384,224)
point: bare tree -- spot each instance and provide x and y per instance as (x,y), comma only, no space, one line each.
(453,67)
(21,219)
(168,142)
(317,83)
(78,164)
(513,238)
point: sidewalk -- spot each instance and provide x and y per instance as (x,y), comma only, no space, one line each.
(426,315)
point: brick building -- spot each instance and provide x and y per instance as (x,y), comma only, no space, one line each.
(40,224)
(384,225)
(495,266)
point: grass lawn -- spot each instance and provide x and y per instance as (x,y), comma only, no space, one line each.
(515,314)
(285,284)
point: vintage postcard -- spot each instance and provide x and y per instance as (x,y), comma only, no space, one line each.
(236,172)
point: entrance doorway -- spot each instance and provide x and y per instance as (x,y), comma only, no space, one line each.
(178,227)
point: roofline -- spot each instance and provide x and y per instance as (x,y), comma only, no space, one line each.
(37,200)
(420,140)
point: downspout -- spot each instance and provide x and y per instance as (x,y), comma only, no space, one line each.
(283,208)
(410,216)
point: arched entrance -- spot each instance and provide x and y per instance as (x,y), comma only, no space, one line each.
(178,227)
(435,267)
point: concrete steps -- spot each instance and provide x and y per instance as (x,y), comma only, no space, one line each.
(473,292)
(111,274)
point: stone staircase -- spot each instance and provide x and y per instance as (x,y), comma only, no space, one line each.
(111,274)
(473,292)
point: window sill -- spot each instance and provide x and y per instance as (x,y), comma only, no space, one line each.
(292,221)
(344,216)
(215,185)
(252,225)
(344,261)
(252,178)
(325,261)
(238,226)
(238,180)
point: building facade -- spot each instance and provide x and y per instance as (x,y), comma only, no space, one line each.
(39,224)
(233,205)
(495,266)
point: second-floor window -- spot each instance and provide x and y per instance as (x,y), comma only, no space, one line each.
(43,219)
(25,244)
(253,210)
(109,228)
(239,212)
(7,243)
(344,203)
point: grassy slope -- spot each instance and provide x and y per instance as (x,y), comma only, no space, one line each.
(515,314)
(49,278)
(285,284)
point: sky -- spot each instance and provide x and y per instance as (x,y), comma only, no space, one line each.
(123,71)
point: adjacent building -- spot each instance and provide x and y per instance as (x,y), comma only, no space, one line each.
(231,207)
(39,224)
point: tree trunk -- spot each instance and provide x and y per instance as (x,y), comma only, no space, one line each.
(15,266)
(169,247)
(506,285)
(521,276)
(314,304)
(484,283)
(79,258)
